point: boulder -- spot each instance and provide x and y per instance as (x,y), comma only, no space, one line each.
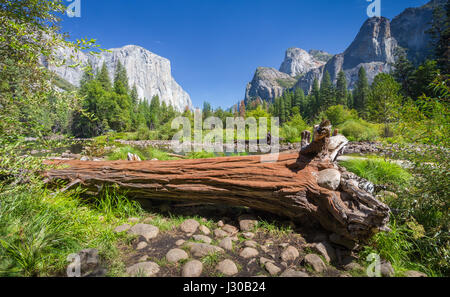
(329,179)
(227,267)
(148,269)
(316,262)
(189,226)
(144,230)
(192,268)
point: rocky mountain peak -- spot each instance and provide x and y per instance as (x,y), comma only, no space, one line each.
(374,43)
(298,62)
(149,72)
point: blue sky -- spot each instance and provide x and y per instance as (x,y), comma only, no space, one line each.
(215,45)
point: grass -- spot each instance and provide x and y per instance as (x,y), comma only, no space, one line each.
(274,228)
(149,153)
(378,171)
(39,229)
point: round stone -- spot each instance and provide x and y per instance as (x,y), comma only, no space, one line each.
(249,252)
(227,267)
(202,238)
(189,226)
(147,231)
(122,228)
(290,254)
(226,244)
(143,269)
(329,179)
(192,268)
(175,255)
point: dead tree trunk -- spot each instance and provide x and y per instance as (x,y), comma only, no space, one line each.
(287,187)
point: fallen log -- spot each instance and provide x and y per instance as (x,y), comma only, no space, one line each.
(288,187)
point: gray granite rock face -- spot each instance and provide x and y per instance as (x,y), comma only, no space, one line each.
(268,84)
(149,72)
(373,49)
(298,62)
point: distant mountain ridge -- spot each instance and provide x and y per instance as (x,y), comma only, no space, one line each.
(149,72)
(373,48)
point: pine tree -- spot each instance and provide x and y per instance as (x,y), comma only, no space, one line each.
(361,91)
(403,69)
(103,78)
(350,100)
(120,80)
(315,103)
(327,93)
(341,89)
(440,33)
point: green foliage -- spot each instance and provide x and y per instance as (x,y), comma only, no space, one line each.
(339,114)
(384,101)
(327,92)
(361,92)
(360,130)
(420,238)
(121,153)
(291,131)
(378,171)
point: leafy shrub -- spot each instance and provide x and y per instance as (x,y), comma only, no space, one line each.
(143,133)
(360,130)
(338,114)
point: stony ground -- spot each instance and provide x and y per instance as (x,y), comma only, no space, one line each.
(214,241)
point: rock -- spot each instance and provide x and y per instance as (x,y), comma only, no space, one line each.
(226,244)
(202,238)
(263,260)
(353,266)
(316,263)
(329,179)
(248,235)
(283,245)
(84,158)
(413,273)
(251,243)
(133,220)
(298,62)
(326,250)
(180,242)
(192,268)
(141,245)
(290,254)
(147,231)
(293,273)
(220,223)
(143,258)
(247,223)
(227,267)
(189,226)
(272,268)
(149,72)
(175,255)
(230,229)
(122,228)
(386,269)
(219,233)
(205,230)
(203,249)
(340,240)
(249,252)
(268,84)
(148,269)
